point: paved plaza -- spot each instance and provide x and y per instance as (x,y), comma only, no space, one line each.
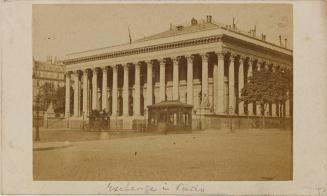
(202,155)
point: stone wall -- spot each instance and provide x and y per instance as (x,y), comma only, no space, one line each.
(239,122)
(198,122)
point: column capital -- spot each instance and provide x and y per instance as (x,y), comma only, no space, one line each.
(114,67)
(268,65)
(261,61)
(104,69)
(233,56)
(68,73)
(85,71)
(204,56)
(138,64)
(176,59)
(252,59)
(282,67)
(152,61)
(147,61)
(165,60)
(125,65)
(160,60)
(245,58)
(189,57)
(95,69)
(77,72)
(221,55)
(242,59)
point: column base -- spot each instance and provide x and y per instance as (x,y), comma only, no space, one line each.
(205,110)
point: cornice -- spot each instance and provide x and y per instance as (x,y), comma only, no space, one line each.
(146,49)
(52,79)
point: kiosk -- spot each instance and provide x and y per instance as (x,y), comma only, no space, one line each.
(169,116)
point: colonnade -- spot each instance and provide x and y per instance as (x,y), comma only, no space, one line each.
(126,89)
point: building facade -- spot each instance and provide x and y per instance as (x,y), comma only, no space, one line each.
(204,64)
(50,71)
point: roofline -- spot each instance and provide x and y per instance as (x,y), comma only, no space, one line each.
(219,32)
(258,39)
(107,47)
(218,26)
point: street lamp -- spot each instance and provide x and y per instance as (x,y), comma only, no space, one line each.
(231,118)
(83,120)
(37,101)
(145,112)
(116,118)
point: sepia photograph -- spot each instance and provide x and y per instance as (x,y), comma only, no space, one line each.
(162,92)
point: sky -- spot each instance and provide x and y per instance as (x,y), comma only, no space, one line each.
(60,29)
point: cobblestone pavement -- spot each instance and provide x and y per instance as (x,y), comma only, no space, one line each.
(207,155)
(63,135)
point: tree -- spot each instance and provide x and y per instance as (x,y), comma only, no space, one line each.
(266,87)
(59,102)
(60,99)
(46,95)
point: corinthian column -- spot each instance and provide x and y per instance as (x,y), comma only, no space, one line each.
(175,78)
(189,79)
(76,94)
(274,105)
(149,90)
(215,88)
(162,80)
(287,107)
(95,89)
(85,89)
(231,87)
(114,91)
(241,85)
(104,89)
(250,74)
(221,81)
(125,92)
(67,100)
(205,91)
(274,109)
(258,109)
(137,90)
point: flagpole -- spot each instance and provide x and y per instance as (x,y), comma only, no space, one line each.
(129,35)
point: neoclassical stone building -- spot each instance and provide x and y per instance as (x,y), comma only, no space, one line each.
(204,64)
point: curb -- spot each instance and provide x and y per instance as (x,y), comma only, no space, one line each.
(52,147)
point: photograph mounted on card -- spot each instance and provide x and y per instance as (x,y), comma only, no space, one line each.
(162,92)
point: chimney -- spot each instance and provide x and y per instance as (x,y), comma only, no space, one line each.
(285,42)
(280,40)
(209,19)
(194,21)
(234,25)
(262,36)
